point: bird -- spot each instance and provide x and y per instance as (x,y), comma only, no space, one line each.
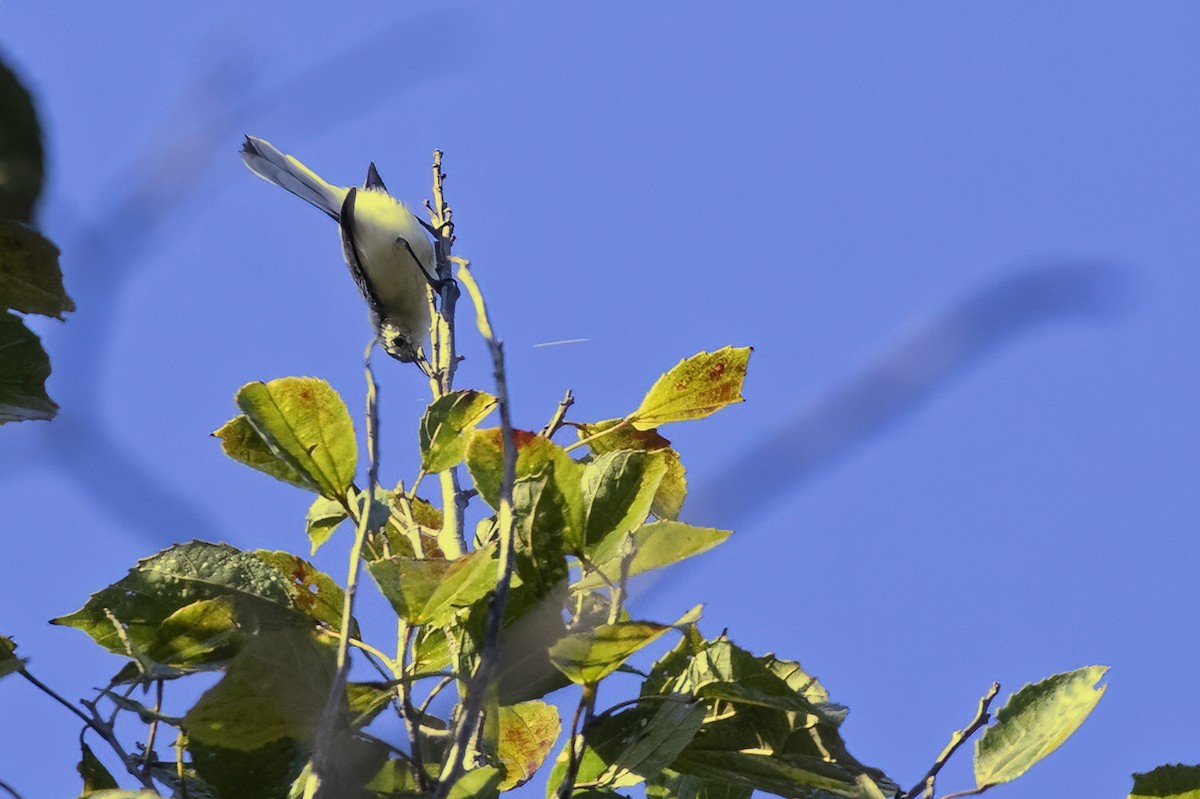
(387,248)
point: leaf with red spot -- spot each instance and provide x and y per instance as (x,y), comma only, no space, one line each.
(695,387)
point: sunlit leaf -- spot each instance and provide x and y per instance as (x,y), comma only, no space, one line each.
(306,424)
(694,388)
(527,734)
(313,592)
(240,441)
(445,424)
(24,367)
(588,657)
(30,277)
(431,591)
(22,160)
(618,488)
(1167,782)
(1034,722)
(672,489)
(656,545)
(480,782)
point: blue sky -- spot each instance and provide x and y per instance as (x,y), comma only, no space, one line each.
(820,181)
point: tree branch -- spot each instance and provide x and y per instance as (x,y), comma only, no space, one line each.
(472,704)
(982,717)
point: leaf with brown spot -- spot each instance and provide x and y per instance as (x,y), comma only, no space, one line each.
(695,387)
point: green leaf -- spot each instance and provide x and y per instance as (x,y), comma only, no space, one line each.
(695,387)
(9,662)
(143,602)
(588,657)
(445,424)
(264,773)
(366,701)
(480,782)
(535,455)
(323,517)
(1034,722)
(674,785)
(24,367)
(274,690)
(541,512)
(240,441)
(656,545)
(204,634)
(1167,782)
(313,592)
(798,776)
(618,488)
(30,277)
(672,490)
(306,424)
(432,590)
(22,161)
(95,776)
(527,734)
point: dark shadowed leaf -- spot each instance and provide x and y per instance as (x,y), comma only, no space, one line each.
(674,785)
(541,512)
(30,277)
(618,488)
(306,424)
(1034,722)
(534,455)
(9,662)
(694,388)
(445,424)
(24,367)
(1167,782)
(672,490)
(95,776)
(22,161)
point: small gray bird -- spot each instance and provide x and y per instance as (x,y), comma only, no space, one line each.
(389,253)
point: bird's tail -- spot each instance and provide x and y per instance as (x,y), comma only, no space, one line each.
(288,173)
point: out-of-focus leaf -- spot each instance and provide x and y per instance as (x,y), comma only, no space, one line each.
(672,490)
(527,734)
(588,657)
(9,662)
(1167,782)
(24,367)
(95,776)
(22,160)
(306,424)
(445,424)
(656,544)
(274,690)
(618,488)
(694,388)
(30,277)
(264,773)
(257,593)
(1034,722)
(535,455)
(431,591)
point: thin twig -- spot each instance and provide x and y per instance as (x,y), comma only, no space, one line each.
(982,717)
(471,707)
(149,753)
(327,726)
(576,743)
(972,792)
(423,710)
(10,790)
(680,698)
(404,638)
(621,425)
(97,724)
(559,417)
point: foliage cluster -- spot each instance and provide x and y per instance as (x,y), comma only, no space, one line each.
(487,625)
